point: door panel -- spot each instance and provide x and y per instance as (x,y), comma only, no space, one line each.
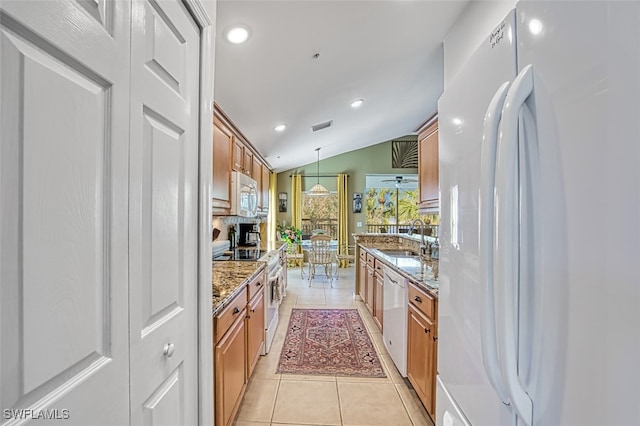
(163,191)
(63,162)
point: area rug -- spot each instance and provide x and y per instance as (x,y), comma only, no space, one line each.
(328,342)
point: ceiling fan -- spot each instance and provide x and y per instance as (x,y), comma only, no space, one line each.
(399,180)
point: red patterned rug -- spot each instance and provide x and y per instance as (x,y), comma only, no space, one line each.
(328,342)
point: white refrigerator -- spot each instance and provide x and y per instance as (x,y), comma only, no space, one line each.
(539,301)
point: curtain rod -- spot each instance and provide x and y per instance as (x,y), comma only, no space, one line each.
(312,176)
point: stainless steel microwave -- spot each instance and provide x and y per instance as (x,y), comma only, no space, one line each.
(244,195)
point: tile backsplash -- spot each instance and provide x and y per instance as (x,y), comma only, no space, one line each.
(222,223)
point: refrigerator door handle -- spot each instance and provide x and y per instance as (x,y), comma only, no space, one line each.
(486,239)
(507,241)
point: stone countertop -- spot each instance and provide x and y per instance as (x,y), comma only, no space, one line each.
(227,278)
(417,270)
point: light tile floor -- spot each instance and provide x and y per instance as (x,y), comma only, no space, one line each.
(292,399)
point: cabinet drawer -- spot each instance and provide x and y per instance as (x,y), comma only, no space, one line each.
(256,285)
(363,254)
(424,302)
(230,314)
(370,260)
(378,266)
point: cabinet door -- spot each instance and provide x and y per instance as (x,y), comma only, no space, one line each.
(255,331)
(256,173)
(428,168)
(221,183)
(378,301)
(237,162)
(248,162)
(421,369)
(363,280)
(230,373)
(370,287)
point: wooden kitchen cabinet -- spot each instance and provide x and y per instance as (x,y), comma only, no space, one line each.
(221,172)
(255,330)
(370,287)
(230,371)
(242,157)
(422,336)
(378,292)
(378,298)
(363,278)
(428,181)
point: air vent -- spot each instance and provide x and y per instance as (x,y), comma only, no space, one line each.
(321,126)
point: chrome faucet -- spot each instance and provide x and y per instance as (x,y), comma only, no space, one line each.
(423,245)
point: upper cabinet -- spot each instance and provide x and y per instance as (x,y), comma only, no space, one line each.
(239,157)
(221,184)
(428,167)
(232,152)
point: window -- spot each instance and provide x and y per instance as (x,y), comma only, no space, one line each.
(320,212)
(392,204)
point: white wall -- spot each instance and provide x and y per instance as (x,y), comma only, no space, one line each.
(467,33)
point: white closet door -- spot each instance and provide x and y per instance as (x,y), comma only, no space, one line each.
(165,56)
(64,128)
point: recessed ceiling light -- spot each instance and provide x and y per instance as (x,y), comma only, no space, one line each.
(238,34)
(357,103)
(280,127)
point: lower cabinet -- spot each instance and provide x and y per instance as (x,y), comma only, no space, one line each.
(422,336)
(255,331)
(369,288)
(378,301)
(363,279)
(230,372)
(239,335)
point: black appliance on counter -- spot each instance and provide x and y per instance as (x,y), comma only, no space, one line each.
(241,254)
(249,234)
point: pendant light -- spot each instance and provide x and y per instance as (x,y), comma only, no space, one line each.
(318,189)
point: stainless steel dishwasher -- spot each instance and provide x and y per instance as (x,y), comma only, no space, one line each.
(394,331)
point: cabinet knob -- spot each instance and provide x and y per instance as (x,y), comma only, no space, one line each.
(427,330)
(236,310)
(435,339)
(168,350)
(259,283)
(417,299)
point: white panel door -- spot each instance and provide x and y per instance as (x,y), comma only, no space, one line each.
(163,197)
(63,229)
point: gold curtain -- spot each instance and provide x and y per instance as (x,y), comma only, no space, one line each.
(296,201)
(343,218)
(273,206)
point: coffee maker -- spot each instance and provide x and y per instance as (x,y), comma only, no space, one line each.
(249,234)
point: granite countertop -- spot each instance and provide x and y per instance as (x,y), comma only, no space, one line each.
(227,279)
(419,270)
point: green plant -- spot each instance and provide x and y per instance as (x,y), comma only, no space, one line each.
(290,234)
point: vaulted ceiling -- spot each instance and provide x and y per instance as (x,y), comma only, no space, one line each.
(306,61)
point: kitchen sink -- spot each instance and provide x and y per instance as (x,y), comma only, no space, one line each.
(399,253)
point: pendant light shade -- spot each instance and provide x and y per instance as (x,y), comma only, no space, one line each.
(318,189)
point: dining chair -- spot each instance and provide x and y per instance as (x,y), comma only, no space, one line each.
(320,254)
(346,254)
(295,257)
